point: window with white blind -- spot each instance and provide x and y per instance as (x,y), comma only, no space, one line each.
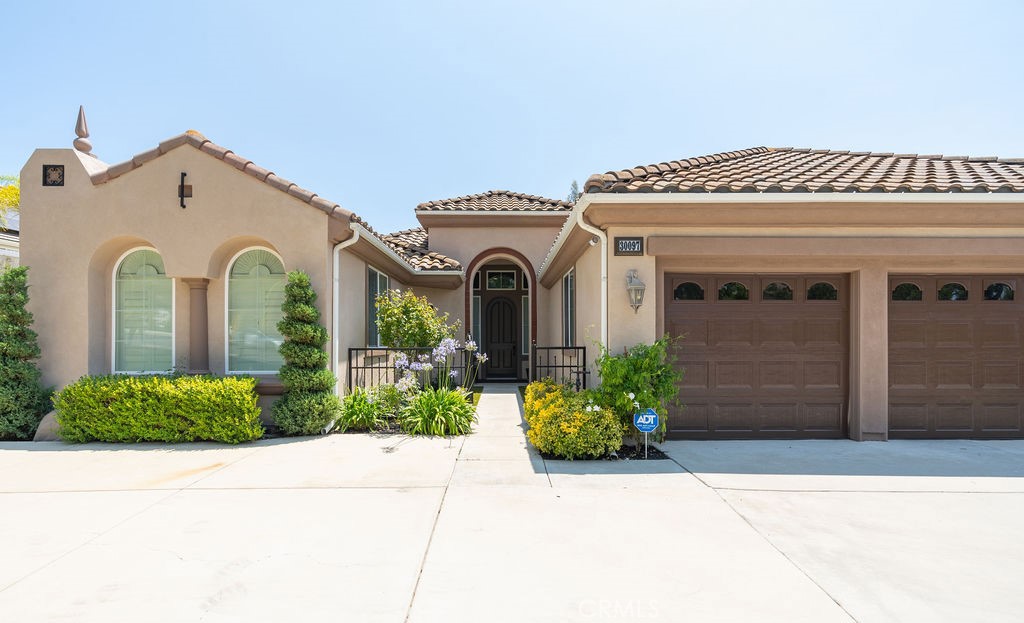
(376,283)
(143,314)
(477,332)
(256,280)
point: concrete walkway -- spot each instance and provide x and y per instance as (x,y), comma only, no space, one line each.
(480,528)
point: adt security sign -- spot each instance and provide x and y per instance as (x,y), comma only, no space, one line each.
(646,422)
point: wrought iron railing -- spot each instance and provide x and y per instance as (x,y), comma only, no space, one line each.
(373,366)
(563,364)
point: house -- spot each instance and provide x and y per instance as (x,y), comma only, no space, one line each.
(9,243)
(817,293)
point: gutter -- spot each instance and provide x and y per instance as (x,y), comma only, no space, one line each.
(603,237)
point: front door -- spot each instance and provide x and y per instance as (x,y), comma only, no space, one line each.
(500,335)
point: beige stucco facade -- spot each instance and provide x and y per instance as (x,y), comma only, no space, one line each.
(72,237)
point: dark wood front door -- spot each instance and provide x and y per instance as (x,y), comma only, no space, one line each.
(500,332)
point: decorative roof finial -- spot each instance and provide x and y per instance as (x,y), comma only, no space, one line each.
(82,143)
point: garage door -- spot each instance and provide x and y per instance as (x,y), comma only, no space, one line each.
(955,356)
(763,356)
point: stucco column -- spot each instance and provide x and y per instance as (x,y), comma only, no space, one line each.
(869,345)
(198,338)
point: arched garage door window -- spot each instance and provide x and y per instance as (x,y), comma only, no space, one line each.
(255,293)
(143,314)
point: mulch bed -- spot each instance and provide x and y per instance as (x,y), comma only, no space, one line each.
(625,453)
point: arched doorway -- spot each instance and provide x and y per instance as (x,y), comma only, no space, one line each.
(505,273)
(500,321)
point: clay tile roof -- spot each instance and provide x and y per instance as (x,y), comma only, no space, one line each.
(413,246)
(787,169)
(496,201)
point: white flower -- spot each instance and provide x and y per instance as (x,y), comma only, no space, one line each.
(636,404)
(597,407)
(631,395)
(590,408)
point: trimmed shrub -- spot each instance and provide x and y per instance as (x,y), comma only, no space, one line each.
(644,377)
(23,400)
(438,412)
(129,409)
(359,411)
(309,404)
(569,425)
(537,395)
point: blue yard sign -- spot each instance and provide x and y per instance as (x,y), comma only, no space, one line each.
(646,422)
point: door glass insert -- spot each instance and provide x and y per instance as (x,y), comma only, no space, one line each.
(907,292)
(733,291)
(999,292)
(688,291)
(777,291)
(953,292)
(822,291)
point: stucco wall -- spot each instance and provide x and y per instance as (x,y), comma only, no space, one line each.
(72,236)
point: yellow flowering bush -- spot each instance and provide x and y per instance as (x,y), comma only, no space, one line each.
(569,425)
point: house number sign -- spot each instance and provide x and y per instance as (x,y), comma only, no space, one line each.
(629,246)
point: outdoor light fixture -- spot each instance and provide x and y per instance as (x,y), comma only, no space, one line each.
(635,288)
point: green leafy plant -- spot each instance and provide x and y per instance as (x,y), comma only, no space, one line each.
(129,409)
(644,377)
(309,403)
(361,411)
(568,424)
(437,412)
(409,321)
(23,399)
(10,196)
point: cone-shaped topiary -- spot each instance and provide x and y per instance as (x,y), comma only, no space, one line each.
(309,403)
(23,400)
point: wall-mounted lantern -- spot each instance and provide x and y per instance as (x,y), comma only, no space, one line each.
(635,288)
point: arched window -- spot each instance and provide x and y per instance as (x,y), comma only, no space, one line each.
(999,292)
(143,314)
(953,292)
(733,291)
(777,291)
(906,292)
(688,291)
(256,281)
(822,291)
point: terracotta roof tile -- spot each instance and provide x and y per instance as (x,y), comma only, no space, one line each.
(788,169)
(413,246)
(496,201)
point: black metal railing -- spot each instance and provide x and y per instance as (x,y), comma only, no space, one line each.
(373,365)
(563,364)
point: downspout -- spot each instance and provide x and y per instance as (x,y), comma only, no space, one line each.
(335,315)
(603,237)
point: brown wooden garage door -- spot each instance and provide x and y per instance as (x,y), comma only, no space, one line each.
(764,356)
(955,356)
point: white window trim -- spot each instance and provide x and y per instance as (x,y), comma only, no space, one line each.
(227,303)
(113,315)
(380,273)
(514,284)
(569,320)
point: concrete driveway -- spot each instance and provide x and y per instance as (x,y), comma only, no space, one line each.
(365,528)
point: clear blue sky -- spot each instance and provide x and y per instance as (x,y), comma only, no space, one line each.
(383,105)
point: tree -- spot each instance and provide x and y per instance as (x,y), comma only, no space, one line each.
(574,192)
(10,196)
(309,403)
(409,321)
(23,399)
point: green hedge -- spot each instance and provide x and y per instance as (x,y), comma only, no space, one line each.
(128,409)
